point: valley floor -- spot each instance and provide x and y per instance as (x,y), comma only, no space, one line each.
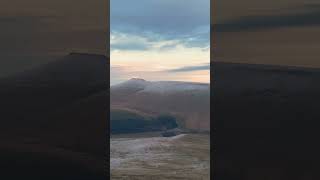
(140,157)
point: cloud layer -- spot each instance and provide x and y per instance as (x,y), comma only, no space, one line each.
(186,21)
(160,39)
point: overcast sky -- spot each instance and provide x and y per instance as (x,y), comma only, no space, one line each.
(160,40)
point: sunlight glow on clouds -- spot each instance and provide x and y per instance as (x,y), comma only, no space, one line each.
(156,63)
(163,40)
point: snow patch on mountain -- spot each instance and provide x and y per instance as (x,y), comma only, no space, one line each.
(161,86)
(173,86)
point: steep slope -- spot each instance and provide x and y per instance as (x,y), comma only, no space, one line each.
(188,102)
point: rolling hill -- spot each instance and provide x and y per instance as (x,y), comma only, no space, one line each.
(188,103)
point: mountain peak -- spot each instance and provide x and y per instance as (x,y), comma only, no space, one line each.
(133,83)
(137,79)
(141,85)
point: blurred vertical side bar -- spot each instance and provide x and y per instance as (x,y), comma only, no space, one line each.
(266,90)
(54,82)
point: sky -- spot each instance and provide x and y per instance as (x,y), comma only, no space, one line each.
(281,32)
(160,40)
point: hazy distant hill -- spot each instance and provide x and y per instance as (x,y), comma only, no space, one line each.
(55,116)
(188,102)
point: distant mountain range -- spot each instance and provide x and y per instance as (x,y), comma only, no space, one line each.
(188,103)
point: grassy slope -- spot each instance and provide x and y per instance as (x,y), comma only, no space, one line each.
(124,121)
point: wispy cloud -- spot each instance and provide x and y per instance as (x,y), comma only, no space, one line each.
(121,41)
(120,74)
(191,68)
(132,42)
(154,39)
(187,21)
(161,16)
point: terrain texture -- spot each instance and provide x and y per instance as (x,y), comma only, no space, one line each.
(186,156)
(188,103)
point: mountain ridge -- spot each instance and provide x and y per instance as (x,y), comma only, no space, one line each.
(188,102)
(160,86)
